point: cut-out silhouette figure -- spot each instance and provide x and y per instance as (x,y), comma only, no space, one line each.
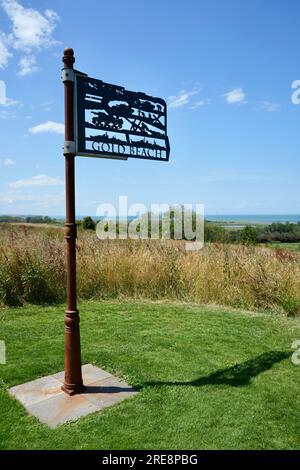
(111,108)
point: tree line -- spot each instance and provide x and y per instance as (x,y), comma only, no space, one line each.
(247,235)
(213,232)
(30,219)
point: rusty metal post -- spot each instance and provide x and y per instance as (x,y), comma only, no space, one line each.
(73,377)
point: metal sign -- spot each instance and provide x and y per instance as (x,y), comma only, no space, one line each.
(113,122)
(101,120)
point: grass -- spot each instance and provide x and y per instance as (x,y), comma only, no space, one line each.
(210,378)
(291,246)
(32,270)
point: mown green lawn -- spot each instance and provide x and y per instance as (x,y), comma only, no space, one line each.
(210,378)
(283,246)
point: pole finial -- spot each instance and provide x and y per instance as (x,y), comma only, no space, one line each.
(68,57)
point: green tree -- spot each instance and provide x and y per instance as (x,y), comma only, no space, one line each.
(248,235)
(88,223)
(214,233)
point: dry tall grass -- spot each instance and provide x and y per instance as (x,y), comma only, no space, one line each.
(32,269)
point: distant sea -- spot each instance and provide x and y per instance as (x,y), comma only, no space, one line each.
(227,218)
(242,219)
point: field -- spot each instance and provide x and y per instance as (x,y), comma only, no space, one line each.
(210,378)
(32,270)
(283,246)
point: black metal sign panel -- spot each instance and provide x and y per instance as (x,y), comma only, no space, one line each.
(116,123)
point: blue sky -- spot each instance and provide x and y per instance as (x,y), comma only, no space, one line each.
(225,67)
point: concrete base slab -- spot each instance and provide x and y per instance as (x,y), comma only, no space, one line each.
(44,399)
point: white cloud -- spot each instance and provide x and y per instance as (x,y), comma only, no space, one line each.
(11,197)
(269,106)
(30,28)
(47,105)
(49,126)
(7,114)
(237,95)
(8,162)
(30,31)
(2,92)
(27,65)
(8,107)
(181,99)
(36,181)
(9,103)
(26,202)
(201,103)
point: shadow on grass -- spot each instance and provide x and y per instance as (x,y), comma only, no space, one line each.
(235,376)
